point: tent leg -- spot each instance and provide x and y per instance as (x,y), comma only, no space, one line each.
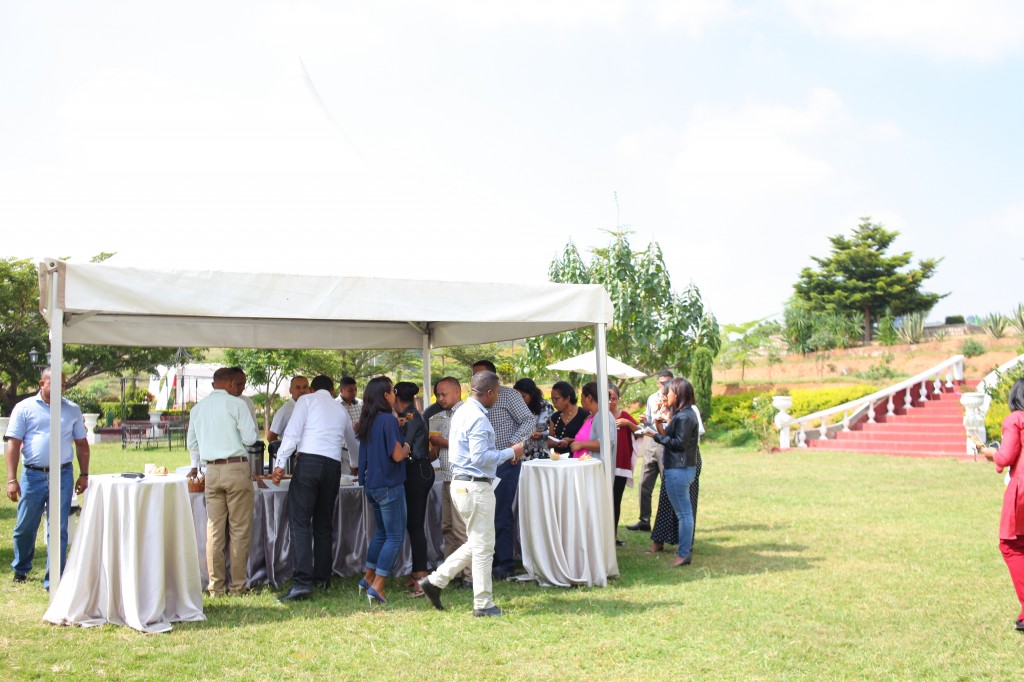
(609,437)
(428,393)
(56,390)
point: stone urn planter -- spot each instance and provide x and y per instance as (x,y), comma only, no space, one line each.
(974,420)
(4,421)
(782,403)
(90,426)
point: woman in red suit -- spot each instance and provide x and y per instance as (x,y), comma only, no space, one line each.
(1011,524)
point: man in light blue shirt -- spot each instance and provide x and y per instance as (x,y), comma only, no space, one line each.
(474,460)
(28,437)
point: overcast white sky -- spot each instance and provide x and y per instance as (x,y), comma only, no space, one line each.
(738,135)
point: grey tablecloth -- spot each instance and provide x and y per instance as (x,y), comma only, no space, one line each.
(565,523)
(269,553)
(129,563)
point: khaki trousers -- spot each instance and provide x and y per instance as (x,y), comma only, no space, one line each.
(229,504)
(474,501)
(453,526)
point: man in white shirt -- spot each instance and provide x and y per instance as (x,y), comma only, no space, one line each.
(316,431)
(353,405)
(219,431)
(298,387)
(652,454)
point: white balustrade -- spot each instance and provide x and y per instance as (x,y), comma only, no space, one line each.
(953,368)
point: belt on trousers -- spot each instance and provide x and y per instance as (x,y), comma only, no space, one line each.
(464,477)
(229,460)
(33,467)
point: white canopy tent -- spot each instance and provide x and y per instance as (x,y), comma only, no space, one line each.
(587,363)
(106,303)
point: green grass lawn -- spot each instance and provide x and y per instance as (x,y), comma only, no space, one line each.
(806,566)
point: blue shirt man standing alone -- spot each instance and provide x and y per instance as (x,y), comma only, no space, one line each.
(28,437)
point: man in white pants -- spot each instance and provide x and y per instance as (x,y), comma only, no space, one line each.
(474,459)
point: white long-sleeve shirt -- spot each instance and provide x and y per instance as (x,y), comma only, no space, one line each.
(318,425)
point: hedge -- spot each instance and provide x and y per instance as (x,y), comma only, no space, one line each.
(734,411)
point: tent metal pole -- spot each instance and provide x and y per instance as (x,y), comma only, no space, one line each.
(56,386)
(609,434)
(428,393)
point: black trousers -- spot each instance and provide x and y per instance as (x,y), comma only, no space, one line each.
(311,498)
(419,479)
(617,489)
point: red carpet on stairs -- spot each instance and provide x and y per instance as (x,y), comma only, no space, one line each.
(933,428)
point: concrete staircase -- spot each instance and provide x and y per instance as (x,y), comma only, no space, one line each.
(932,428)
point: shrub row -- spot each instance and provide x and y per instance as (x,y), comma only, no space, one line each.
(733,412)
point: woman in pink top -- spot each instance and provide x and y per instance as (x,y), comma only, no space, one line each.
(1011,523)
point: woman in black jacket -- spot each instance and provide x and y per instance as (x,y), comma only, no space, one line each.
(679,436)
(419,478)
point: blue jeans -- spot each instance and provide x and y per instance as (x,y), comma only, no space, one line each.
(677,485)
(504,526)
(35,492)
(389,512)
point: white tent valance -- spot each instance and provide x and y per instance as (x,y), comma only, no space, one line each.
(132,306)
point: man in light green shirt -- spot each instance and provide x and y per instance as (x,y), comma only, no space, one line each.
(219,430)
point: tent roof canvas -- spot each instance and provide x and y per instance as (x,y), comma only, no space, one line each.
(140,306)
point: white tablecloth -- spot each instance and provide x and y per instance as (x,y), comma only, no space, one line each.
(565,523)
(132,559)
(270,549)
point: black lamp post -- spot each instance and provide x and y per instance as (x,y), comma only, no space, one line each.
(33,356)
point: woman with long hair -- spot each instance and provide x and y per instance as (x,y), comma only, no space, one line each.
(382,453)
(419,479)
(536,446)
(1011,522)
(568,419)
(679,438)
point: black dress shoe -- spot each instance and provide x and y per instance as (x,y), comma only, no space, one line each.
(20,577)
(640,525)
(324,584)
(433,593)
(1019,625)
(296,593)
(620,543)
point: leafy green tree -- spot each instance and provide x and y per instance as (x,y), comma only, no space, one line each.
(859,277)
(361,365)
(701,377)
(748,341)
(266,370)
(654,328)
(22,328)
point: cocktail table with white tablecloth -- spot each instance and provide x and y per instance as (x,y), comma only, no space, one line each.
(269,552)
(565,522)
(131,559)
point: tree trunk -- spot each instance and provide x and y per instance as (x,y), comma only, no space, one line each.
(867,325)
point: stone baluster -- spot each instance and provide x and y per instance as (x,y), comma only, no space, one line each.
(871,412)
(924,391)
(824,429)
(908,401)
(937,387)
(782,403)
(974,420)
(801,438)
(846,421)
(891,409)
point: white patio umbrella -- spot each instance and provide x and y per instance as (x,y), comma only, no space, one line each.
(587,364)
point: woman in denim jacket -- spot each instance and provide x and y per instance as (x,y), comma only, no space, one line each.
(679,436)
